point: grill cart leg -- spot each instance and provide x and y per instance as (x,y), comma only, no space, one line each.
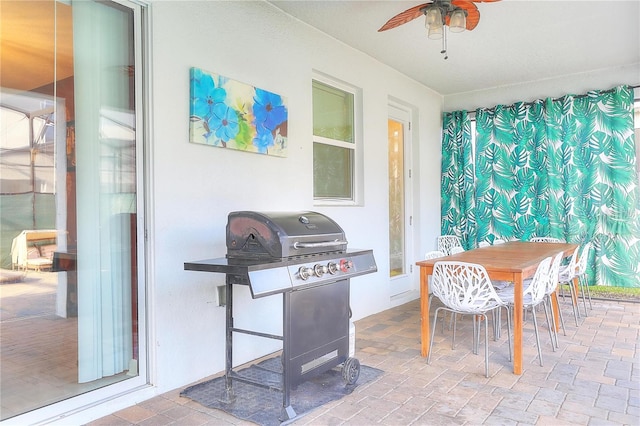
(287,412)
(227,395)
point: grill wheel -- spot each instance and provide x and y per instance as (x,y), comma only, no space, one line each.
(351,371)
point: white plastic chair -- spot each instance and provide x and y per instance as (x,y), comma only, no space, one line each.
(465,288)
(581,273)
(566,275)
(456,249)
(483,244)
(532,296)
(434,254)
(446,242)
(498,241)
(545,240)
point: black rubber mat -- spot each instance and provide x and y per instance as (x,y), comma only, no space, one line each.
(264,406)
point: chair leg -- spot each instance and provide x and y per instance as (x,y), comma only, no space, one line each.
(479,322)
(453,338)
(579,291)
(548,313)
(564,330)
(576,288)
(433,333)
(550,323)
(496,316)
(486,345)
(535,328)
(430,300)
(586,284)
(509,332)
(581,280)
(574,300)
(475,338)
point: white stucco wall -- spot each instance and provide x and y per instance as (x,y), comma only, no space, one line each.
(194,187)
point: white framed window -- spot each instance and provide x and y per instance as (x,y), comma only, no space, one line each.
(337,142)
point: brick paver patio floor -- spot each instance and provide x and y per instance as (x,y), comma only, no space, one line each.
(592,379)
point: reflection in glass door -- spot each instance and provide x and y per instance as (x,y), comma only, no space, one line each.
(399,217)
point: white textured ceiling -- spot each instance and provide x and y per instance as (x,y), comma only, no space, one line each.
(516,40)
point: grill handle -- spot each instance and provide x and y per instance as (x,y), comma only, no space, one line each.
(299,245)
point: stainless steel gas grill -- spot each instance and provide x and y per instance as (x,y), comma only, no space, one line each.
(304,257)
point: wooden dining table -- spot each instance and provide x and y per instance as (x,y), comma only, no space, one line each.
(512,261)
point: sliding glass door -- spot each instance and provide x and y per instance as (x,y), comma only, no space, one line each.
(70,179)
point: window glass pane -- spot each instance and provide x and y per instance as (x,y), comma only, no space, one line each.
(332,113)
(332,172)
(396,198)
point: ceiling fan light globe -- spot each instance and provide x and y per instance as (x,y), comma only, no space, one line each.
(433,17)
(458,21)
(435,33)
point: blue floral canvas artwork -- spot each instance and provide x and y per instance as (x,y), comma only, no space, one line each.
(230,114)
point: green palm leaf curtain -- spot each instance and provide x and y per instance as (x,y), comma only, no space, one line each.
(557,167)
(457,185)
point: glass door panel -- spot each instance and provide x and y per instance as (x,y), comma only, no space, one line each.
(68,196)
(396,199)
(400,210)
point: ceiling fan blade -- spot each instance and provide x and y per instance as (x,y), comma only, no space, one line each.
(404,17)
(473,14)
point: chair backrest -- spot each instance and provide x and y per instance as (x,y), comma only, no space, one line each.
(581,264)
(446,242)
(498,241)
(552,283)
(537,288)
(483,244)
(567,273)
(464,287)
(545,240)
(434,254)
(456,249)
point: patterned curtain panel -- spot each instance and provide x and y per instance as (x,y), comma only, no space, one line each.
(563,168)
(511,171)
(457,186)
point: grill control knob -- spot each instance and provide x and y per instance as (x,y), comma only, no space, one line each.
(319,270)
(305,272)
(345,265)
(332,267)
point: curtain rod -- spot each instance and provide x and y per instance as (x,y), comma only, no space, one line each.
(556,99)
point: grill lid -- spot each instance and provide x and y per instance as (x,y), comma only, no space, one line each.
(276,235)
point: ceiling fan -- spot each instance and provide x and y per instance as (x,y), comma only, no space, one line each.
(457,14)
